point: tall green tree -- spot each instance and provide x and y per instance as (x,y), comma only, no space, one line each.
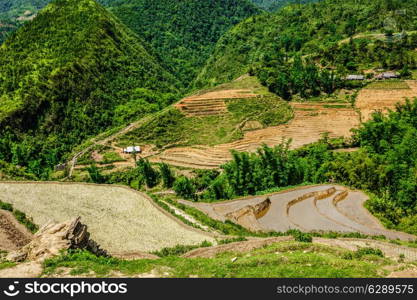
(150,175)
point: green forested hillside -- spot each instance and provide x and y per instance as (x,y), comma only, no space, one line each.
(13,13)
(15,6)
(315,32)
(272,5)
(183,33)
(72,72)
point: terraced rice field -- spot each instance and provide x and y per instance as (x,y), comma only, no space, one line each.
(311,120)
(211,103)
(370,100)
(316,208)
(121,220)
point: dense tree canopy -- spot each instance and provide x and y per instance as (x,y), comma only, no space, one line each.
(182,33)
(272,5)
(13,13)
(71,73)
(320,32)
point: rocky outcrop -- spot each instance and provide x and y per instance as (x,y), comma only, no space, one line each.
(53,238)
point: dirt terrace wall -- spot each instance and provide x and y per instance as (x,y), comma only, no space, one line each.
(317,196)
(340,197)
(248,216)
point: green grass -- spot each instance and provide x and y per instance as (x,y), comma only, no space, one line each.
(335,106)
(111,157)
(180,249)
(287,259)
(388,85)
(6,265)
(246,82)
(20,217)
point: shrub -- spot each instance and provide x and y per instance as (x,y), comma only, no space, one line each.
(184,187)
(301,236)
(23,219)
(180,249)
(95,174)
(368,251)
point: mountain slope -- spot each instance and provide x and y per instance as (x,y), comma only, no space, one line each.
(14,7)
(13,13)
(302,30)
(183,33)
(272,5)
(72,72)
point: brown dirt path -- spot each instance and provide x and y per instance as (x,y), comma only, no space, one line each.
(25,270)
(390,250)
(244,246)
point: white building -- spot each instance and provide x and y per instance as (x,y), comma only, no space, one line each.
(132,149)
(355,77)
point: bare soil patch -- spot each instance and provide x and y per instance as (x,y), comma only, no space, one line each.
(13,235)
(390,250)
(370,100)
(26,270)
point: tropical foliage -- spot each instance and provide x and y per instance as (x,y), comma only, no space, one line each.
(333,35)
(182,33)
(73,72)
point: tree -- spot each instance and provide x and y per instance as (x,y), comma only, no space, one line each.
(95,174)
(184,187)
(150,175)
(405,72)
(167,175)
